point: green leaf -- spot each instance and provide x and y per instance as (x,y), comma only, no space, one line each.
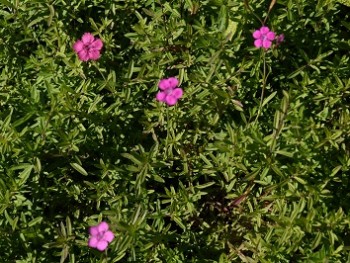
(64,254)
(93,24)
(7,3)
(132,158)
(302,181)
(336,170)
(35,21)
(68,226)
(202,186)
(24,175)
(285,153)
(269,98)
(52,14)
(230,30)
(179,222)
(78,168)
(158,178)
(223,20)
(35,221)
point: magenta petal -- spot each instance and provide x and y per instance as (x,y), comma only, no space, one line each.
(266,43)
(78,46)
(257,34)
(164,84)
(177,93)
(93,231)
(102,245)
(108,236)
(264,30)
(102,227)
(258,43)
(173,82)
(170,100)
(271,35)
(87,38)
(94,54)
(97,44)
(280,38)
(83,55)
(93,242)
(161,96)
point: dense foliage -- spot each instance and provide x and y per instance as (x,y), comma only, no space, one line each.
(251,164)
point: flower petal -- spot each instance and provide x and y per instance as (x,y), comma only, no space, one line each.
(161,96)
(280,38)
(258,43)
(170,100)
(87,38)
(108,236)
(266,43)
(83,55)
(93,242)
(257,34)
(102,227)
(102,245)
(94,54)
(97,44)
(173,82)
(264,30)
(78,46)
(271,35)
(177,93)
(93,231)
(164,84)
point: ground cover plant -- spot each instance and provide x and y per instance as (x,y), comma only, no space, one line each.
(174,131)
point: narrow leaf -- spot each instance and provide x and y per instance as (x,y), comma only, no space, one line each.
(78,168)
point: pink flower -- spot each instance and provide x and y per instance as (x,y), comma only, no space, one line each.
(170,92)
(88,47)
(279,39)
(263,37)
(100,236)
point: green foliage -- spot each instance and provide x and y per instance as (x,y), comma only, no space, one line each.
(251,165)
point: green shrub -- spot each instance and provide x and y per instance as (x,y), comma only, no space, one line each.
(251,165)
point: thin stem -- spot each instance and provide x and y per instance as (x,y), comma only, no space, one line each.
(263,88)
(273,2)
(246,4)
(266,18)
(165,24)
(167,150)
(167,124)
(94,63)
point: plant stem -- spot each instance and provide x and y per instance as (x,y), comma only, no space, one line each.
(167,129)
(263,88)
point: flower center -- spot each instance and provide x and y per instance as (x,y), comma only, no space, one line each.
(87,47)
(168,91)
(100,235)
